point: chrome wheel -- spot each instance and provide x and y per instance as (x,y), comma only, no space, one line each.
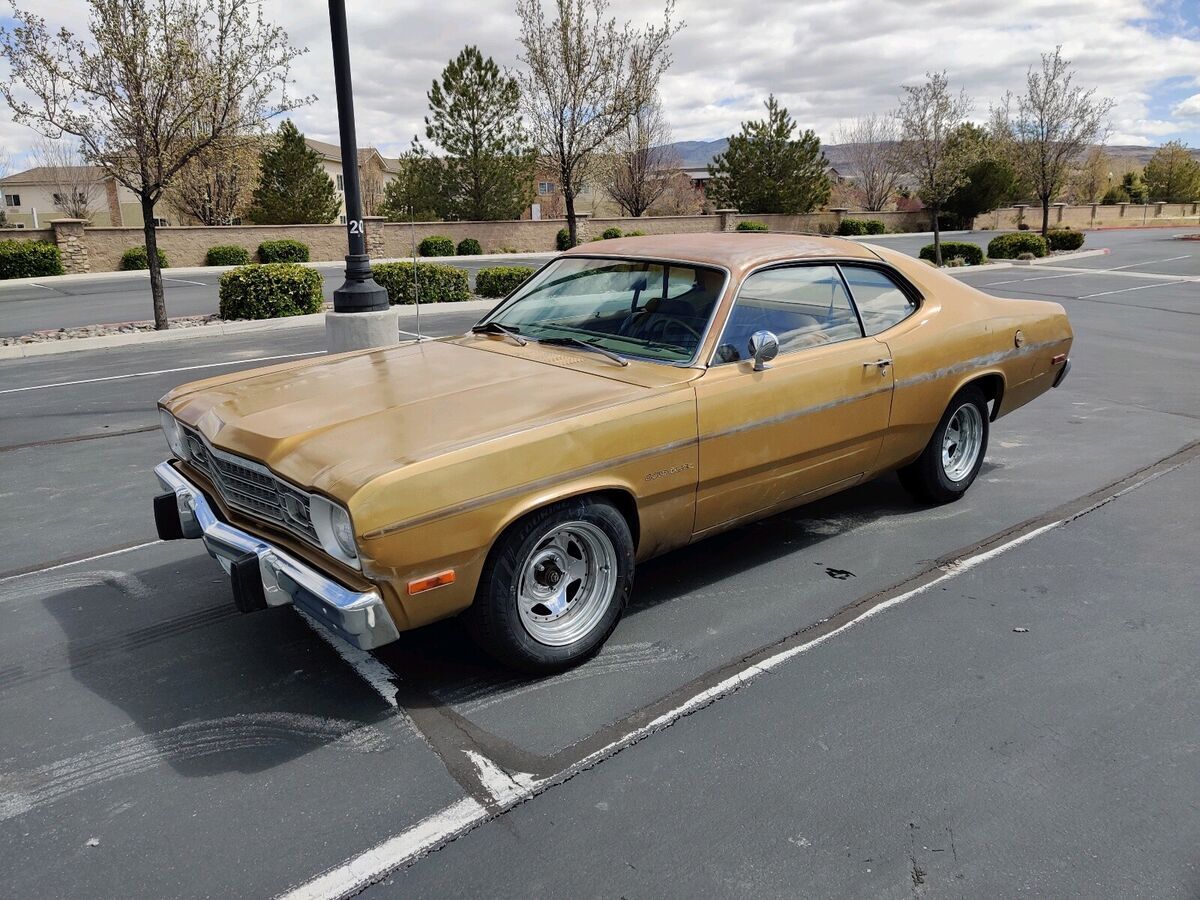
(566,583)
(962,442)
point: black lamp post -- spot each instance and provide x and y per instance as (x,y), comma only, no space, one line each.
(359,293)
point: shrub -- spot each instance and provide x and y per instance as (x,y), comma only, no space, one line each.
(468,247)
(283,251)
(562,240)
(1023,226)
(609,233)
(752,225)
(1026,256)
(436,283)
(948,221)
(956,263)
(860,226)
(29,259)
(436,245)
(135,258)
(1013,244)
(227,255)
(970,254)
(500,281)
(635,234)
(270,291)
(1064,239)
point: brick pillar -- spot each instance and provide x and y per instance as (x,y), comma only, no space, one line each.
(1158,208)
(115,217)
(68,235)
(1020,208)
(1121,210)
(583,229)
(839,213)
(1059,207)
(373,226)
(727,219)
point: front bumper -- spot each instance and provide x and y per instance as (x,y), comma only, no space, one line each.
(358,617)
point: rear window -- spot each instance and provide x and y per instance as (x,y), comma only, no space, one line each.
(881,302)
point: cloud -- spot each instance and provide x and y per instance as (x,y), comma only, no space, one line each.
(827,62)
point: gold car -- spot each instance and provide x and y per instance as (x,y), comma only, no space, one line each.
(627,400)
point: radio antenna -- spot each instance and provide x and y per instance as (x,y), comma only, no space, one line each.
(412,224)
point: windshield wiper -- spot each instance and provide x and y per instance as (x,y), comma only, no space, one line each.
(576,342)
(497,328)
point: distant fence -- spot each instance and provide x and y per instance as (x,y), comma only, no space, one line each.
(87,249)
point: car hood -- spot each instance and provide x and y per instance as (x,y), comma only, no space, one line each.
(334,423)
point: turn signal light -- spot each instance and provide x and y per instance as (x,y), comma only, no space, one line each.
(431,582)
(1058,359)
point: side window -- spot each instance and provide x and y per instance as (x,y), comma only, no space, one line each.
(880,301)
(805,306)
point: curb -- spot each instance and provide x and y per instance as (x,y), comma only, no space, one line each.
(902,234)
(110,341)
(1054,260)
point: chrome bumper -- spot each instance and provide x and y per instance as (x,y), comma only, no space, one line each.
(360,618)
(1062,373)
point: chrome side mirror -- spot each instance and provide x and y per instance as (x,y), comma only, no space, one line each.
(763,348)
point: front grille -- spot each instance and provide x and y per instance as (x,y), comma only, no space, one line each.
(252,488)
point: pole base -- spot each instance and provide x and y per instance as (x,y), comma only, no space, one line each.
(361,330)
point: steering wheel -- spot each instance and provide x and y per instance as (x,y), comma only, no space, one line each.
(662,320)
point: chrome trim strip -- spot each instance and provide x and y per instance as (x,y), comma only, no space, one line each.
(359,617)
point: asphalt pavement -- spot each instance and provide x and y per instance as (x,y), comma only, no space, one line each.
(732,738)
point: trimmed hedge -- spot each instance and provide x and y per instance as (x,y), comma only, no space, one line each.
(1064,239)
(135,258)
(500,281)
(227,255)
(29,259)
(971,253)
(285,250)
(1013,244)
(270,291)
(562,240)
(436,245)
(437,283)
(752,225)
(850,227)
(468,247)
(609,233)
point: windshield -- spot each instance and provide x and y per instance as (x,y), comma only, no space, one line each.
(653,310)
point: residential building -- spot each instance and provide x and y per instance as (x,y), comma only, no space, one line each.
(374,172)
(31,197)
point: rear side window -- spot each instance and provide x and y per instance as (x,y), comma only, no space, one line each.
(880,301)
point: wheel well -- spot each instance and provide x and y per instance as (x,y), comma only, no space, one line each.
(627,506)
(992,386)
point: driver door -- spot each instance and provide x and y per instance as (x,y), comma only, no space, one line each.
(812,422)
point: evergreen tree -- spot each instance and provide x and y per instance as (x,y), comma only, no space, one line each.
(293,187)
(989,178)
(474,117)
(1173,174)
(766,169)
(418,192)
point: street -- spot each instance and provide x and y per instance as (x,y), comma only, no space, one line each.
(861,697)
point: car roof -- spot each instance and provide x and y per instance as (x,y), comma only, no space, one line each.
(738,252)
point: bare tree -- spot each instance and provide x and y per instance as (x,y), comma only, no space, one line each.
(871,144)
(159,82)
(1090,179)
(928,116)
(637,165)
(371,189)
(680,197)
(75,186)
(217,184)
(1053,125)
(583,78)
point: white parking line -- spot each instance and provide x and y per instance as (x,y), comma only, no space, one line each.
(1140,287)
(232,362)
(78,562)
(1150,263)
(184,281)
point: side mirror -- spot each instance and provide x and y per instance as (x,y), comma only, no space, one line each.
(763,348)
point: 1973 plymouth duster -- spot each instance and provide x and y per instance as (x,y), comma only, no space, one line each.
(630,398)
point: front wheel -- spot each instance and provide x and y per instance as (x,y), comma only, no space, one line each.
(554,586)
(952,458)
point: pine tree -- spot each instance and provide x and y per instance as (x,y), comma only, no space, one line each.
(293,188)
(474,117)
(1173,174)
(418,192)
(766,169)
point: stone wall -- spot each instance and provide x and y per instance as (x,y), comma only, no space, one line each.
(1120,215)
(186,245)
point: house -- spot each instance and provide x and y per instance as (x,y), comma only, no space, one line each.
(34,197)
(374,172)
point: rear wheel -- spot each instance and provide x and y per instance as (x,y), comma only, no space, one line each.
(554,586)
(952,458)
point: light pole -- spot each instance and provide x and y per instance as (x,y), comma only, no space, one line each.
(361,315)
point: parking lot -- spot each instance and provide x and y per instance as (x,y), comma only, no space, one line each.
(860,697)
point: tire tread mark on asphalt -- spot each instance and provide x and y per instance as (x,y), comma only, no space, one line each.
(75,439)
(21,792)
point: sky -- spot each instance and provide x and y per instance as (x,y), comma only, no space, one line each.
(828,62)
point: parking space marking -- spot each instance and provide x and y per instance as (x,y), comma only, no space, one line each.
(1149,263)
(231,362)
(468,813)
(368,668)
(184,281)
(1140,287)
(78,562)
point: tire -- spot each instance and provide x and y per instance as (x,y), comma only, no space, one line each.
(554,586)
(952,458)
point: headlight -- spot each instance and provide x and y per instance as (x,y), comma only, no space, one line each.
(334,530)
(174,434)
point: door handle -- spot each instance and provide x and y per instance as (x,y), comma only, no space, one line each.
(880,364)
